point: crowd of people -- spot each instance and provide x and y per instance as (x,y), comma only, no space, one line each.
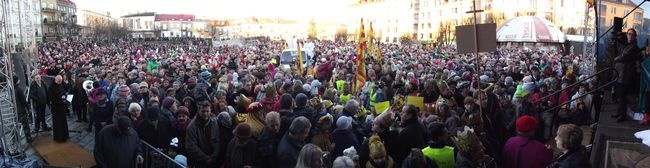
(231,106)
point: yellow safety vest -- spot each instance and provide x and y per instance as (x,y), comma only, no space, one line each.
(344,98)
(444,157)
(373,98)
(339,86)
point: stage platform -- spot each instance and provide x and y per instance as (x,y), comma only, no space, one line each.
(614,142)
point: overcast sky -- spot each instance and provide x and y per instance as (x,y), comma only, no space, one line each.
(298,9)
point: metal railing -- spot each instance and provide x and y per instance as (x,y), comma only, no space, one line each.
(601,86)
(154,157)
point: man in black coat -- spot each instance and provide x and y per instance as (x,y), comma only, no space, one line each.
(80,99)
(117,145)
(267,142)
(292,142)
(38,96)
(412,134)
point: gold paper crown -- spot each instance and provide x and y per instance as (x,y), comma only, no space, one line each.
(465,139)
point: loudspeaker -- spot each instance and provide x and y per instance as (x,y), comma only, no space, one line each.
(617,25)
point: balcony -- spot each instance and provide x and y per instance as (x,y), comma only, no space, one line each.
(50,10)
(51,21)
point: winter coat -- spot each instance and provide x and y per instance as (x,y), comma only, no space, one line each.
(241,152)
(267,147)
(80,98)
(412,136)
(225,135)
(522,151)
(306,111)
(464,162)
(178,131)
(158,137)
(286,118)
(102,113)
(38,94)
(200,148)
(115,150)
(576,158)
(323,140)
(389,163)
(288,151)
(342,140)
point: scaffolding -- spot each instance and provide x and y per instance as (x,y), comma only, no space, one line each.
(17,39)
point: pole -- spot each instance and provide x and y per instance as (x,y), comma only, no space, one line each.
(478,59)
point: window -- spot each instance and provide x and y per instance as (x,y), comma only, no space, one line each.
(613,11)
(638,16)
(625,12)
(603,8)
(430,35)
(454,11)
(388,39)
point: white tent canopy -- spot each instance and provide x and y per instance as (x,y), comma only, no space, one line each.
(529,29)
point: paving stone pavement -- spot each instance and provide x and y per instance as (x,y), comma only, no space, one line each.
(78,135)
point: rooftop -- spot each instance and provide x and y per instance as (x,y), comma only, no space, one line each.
(171,17)
(141,14)
(66,3)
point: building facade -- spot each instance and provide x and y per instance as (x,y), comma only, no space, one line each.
(174,25)
(59,18)
(268,27)
(618,8)
(391,19)
(431,17)
(93,24)
(140,25)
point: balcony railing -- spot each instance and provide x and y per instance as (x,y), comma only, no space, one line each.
(46,9)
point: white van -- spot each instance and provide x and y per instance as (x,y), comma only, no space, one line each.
(289,56)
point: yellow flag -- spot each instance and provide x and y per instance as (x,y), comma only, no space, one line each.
(378,59)
(299,64)
(285,45)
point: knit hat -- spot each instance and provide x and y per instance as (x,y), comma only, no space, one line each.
(123,90)
(344,122)
(144,84)
(100,91)
(243,130)
(205,75)
(376,147)
(168,102)
(301,100)
(182,110)
(526,124)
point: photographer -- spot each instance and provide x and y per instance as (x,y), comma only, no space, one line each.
(624,64)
